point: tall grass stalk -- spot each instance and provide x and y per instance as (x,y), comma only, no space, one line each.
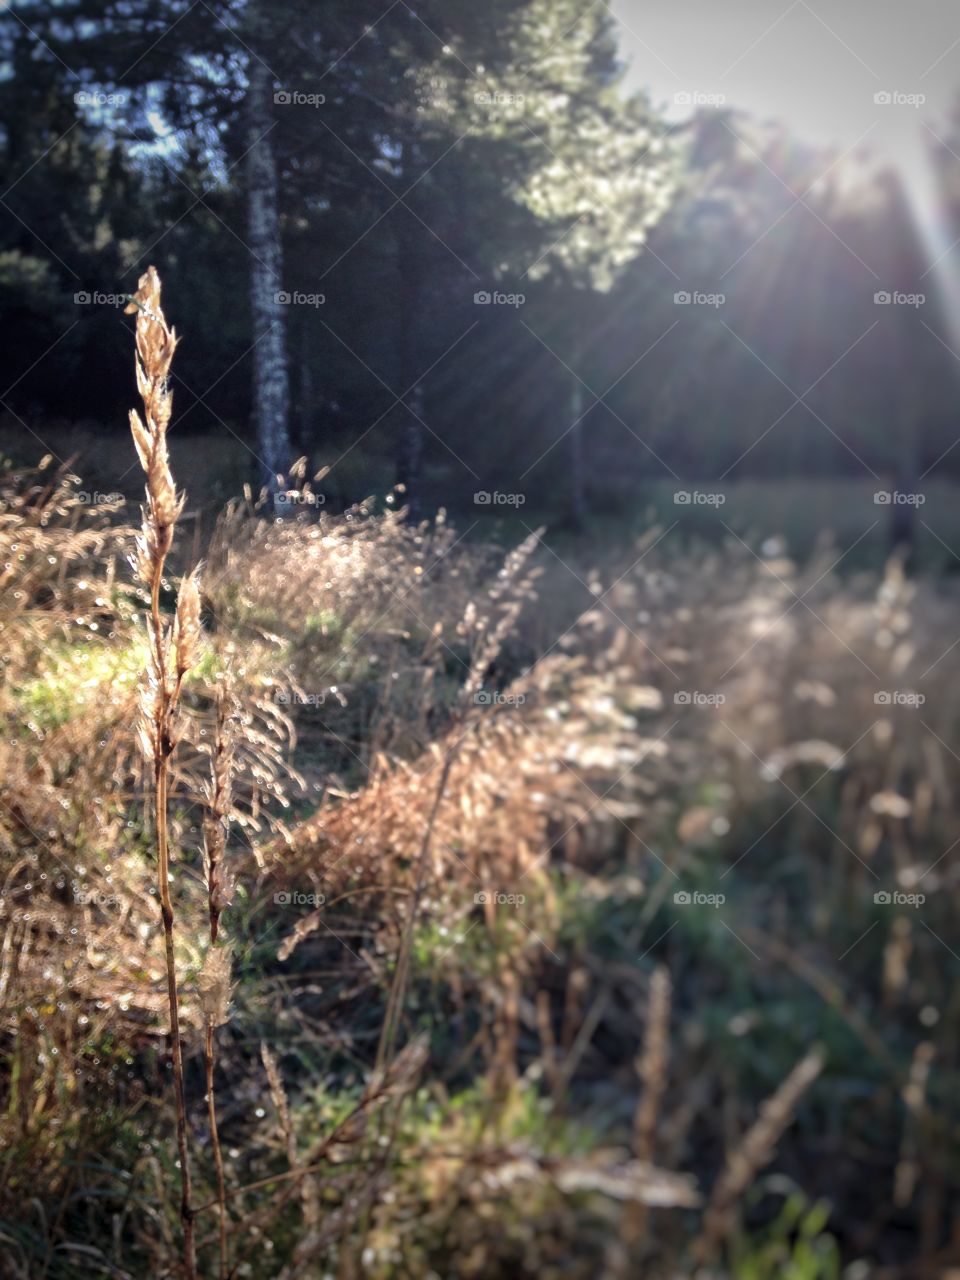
(171,654)
(215,976)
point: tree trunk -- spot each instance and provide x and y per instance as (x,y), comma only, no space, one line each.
(271,382)
(307,417)
(410,443)
(905,267)
(409,448)
(902,529)
(410,455)
(409,319)
(578,497)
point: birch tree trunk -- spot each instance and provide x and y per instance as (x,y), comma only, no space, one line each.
(271,380)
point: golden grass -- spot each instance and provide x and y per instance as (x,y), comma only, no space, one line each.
(589,1083)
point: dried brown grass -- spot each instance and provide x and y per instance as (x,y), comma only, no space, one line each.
(587,795)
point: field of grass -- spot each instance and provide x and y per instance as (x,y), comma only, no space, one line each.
(803,515)
(585,912)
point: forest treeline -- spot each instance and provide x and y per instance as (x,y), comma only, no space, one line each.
(443,244)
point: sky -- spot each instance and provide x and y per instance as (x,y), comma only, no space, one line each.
(816,66)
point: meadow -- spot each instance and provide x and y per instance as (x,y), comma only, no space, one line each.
(532,907)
